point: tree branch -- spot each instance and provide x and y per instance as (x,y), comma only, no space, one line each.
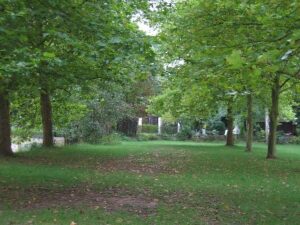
(284,83)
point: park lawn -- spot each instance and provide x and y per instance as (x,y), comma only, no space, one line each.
(159,182)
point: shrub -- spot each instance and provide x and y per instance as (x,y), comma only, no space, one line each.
(294,140)
(216,126)
(149,128)
(298,131)
(186,133)
(168,137)
(113,138)
(209,138)
(148,137)
(260,135)
(169,128)
(282,138)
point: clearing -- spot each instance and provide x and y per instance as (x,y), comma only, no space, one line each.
(159,182)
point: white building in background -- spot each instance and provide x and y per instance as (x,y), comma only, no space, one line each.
(27,145)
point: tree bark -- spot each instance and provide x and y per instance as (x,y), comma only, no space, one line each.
(46,112)
(249,123)
(159,125)
(267,124)
(274,118)
(229,137)
(5,130)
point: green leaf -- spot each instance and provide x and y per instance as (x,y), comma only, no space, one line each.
(116,40)
(49,55)
(235,60)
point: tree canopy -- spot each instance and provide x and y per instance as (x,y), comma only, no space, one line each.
(228,49)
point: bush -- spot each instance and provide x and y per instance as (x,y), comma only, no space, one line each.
(168,137)
(169,128)
(126,138)
(282,138)
(149,128)
(147,137)
(298,131)
(113,138)
(260,135)
(217,127)
(185,134)
(209,138)
(294,140)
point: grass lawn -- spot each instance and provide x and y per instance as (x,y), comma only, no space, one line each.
(151,183)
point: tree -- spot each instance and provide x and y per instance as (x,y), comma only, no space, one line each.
(14,62)
(258,39)
(60,45)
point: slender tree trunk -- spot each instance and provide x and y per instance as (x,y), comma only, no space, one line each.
(267,124)
(249,123)
(46,112)
(178,127)
(274,119)
(229,137)
(5,132)
(159,125)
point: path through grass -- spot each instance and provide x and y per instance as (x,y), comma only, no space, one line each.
(151,183)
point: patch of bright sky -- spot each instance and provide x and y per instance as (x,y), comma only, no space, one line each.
(143,23)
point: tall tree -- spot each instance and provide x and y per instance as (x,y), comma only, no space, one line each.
(89,36)
(14,61)
(259,36)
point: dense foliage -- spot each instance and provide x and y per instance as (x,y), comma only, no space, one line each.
(221,53)
(60,59)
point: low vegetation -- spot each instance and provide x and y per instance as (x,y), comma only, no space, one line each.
(159,182)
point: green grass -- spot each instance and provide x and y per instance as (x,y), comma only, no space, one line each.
(212,184)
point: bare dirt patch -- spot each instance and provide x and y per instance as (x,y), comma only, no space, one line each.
(110,200)
(155,162)
(209,208)
(149,163)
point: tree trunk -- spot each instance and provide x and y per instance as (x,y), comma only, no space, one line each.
(274,119)
(249,123)
(229,137)
(267,124)
(46,112)
(178,127)
(159,125)
(5,132)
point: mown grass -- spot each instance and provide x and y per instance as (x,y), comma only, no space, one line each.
(214,184)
